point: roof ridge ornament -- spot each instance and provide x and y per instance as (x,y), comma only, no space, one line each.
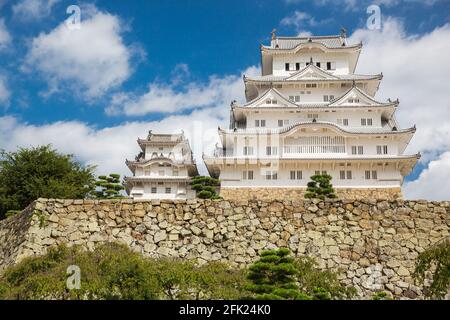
(274,34)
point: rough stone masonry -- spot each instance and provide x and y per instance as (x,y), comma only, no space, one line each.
(374,244)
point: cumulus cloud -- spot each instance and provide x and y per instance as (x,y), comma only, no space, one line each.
(4,91)
(433,183)
(5,37)
(302,20)
(416,70)
(168,98)
(33,9)
(109,147)
(89,61)
(357,4)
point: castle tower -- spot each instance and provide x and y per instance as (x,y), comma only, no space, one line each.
(163,169)
(309,113)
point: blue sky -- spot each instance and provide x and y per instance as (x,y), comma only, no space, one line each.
(182,49)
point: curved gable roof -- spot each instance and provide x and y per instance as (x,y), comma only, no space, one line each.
(312,69)
(270,93)
(365,99)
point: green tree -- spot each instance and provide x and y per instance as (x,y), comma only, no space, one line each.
(206,187)
(114,271)
(108,187)
(42,172)
(320,187)
(320,284)
(273,276)
(435,259)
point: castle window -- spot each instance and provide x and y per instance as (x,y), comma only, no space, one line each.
(154,190)
(318,64)
(349,175)
(280,123)
(369,122)
(313,116)
(168,190)
(247,175)
(292,175)
(382,149)
(271,151)
(286,66)
(367,175)
(248,151)
(297,66)
(363,122)
(360,150)
(374,175)
(296,175)
(342,174)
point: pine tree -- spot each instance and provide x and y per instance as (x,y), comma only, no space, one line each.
(273,276)
(320,187)
(206,187)
(108,187)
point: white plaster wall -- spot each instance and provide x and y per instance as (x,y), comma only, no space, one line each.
(272,116)
(341,60)
(231,176)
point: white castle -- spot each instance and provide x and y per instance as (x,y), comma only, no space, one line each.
(309,113)
(163,169)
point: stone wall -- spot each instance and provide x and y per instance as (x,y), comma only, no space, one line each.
(373,243)
(271,194)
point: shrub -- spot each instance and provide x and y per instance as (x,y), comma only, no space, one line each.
(273,276)
(381,296)
(113,271)
(205,187)
(279,276)
(108,187)
(320,284)
(435,259)
(320,187)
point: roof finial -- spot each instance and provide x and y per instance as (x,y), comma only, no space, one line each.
(274,34)
(343,32)
(311,60)
(354,84)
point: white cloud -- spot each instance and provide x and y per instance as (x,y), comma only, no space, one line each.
(433,183)
(416,70)
(5,37)
(4,91)
(33,9)
(301,21)
(357,4)
(166,98)
(109,147)
(89,61)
